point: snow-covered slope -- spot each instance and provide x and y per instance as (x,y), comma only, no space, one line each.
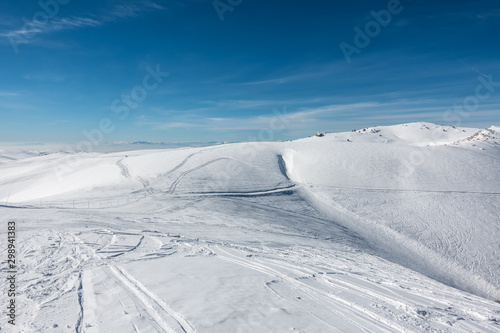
(384,229)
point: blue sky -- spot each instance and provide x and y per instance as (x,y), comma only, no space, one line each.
(246,70)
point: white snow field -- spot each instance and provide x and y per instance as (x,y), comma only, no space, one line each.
(386,229)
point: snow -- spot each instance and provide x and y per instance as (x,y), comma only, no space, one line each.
(395,230)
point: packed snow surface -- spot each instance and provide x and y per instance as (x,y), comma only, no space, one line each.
(383,229)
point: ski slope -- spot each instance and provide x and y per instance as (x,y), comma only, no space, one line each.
(385,229)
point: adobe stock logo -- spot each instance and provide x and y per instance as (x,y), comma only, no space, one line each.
(221,7)
(372,29)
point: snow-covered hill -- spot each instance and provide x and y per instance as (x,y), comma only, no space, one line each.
(380,229)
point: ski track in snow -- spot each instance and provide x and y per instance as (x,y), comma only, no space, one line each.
(348,312)
(155,305)
(123,168)
(346,300)
(176,182)
(164,317)
(309,245)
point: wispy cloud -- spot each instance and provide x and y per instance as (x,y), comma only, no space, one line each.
(281,80)
(45,77)
(180,124)
(307,73)
(8,93)
(249,104)
(154,5)
(304,120)
(240,104)
(128,10)
(25,33)
(474,15)
(57,122)
(297,119)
